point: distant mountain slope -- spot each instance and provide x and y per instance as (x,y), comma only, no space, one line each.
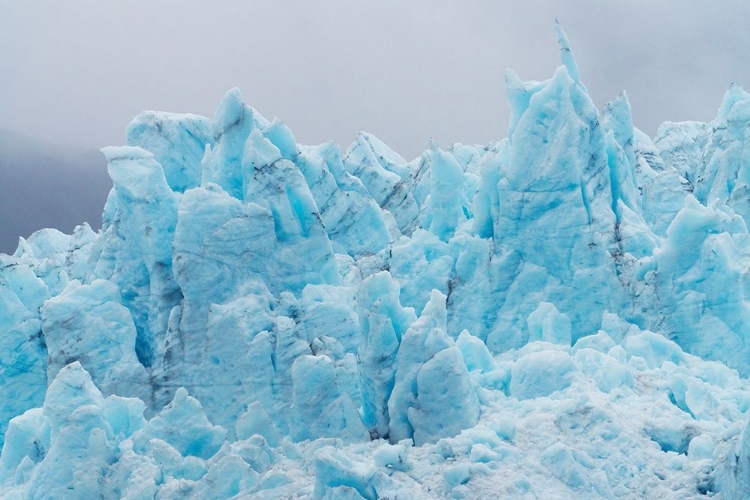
(47,185)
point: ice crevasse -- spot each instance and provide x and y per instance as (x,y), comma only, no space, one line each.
(560,314)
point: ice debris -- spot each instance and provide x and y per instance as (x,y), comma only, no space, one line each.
(263,319)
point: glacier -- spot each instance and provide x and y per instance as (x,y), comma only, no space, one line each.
(564,313)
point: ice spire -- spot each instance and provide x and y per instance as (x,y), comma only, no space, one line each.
(566,55)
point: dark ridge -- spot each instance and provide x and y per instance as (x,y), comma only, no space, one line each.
(43,184)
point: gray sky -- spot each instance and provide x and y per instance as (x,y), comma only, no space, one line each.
(76,72)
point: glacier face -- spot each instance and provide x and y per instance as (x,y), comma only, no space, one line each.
(551,313)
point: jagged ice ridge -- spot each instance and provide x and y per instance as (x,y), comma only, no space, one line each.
(560,314)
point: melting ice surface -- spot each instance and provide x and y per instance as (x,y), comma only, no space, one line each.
(562,314)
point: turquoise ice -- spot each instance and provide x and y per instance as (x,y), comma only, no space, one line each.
(562,313)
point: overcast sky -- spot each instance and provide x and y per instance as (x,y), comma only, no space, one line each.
(77,71)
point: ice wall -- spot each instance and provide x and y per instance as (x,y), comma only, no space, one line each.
(247,292)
